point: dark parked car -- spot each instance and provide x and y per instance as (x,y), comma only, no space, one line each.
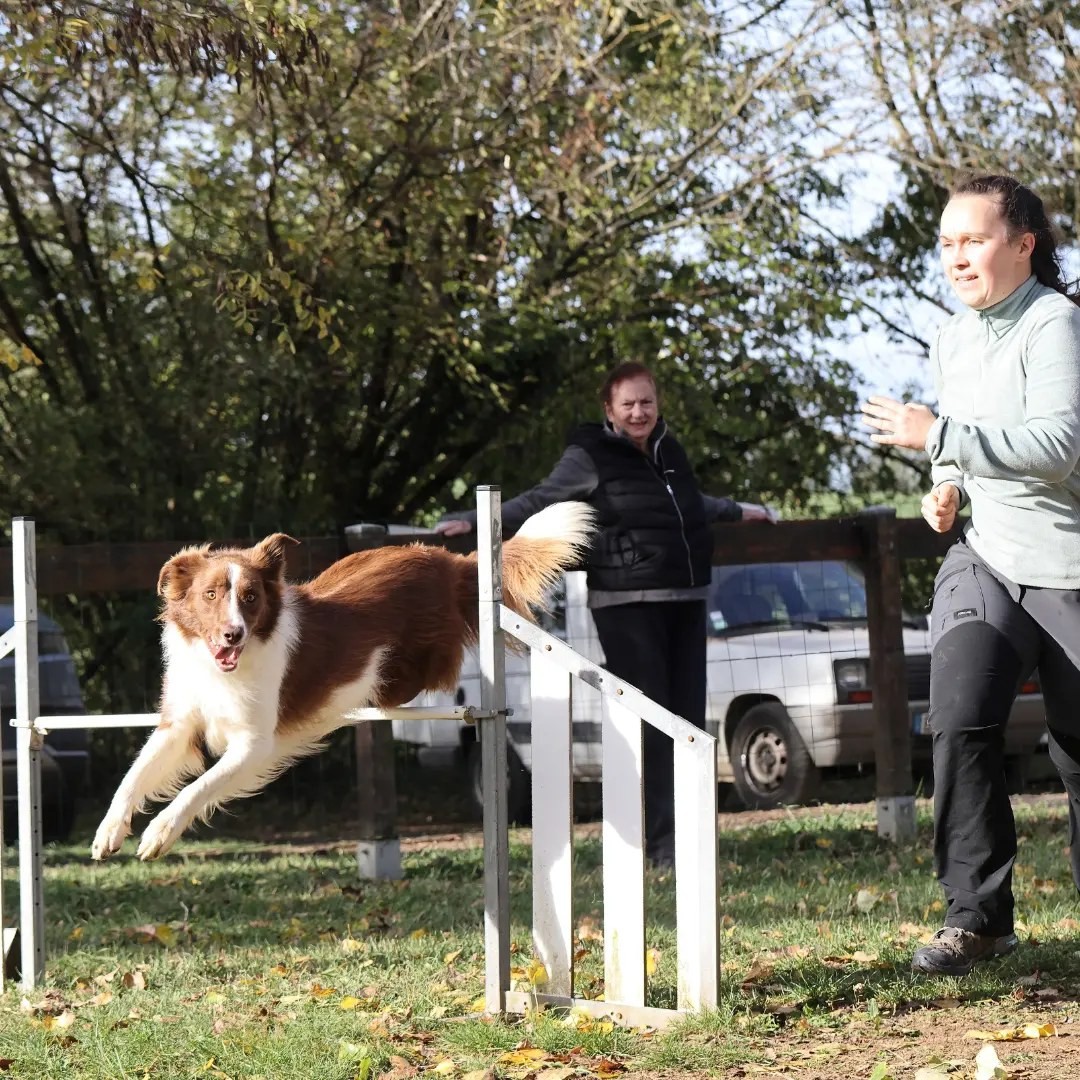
(65,758)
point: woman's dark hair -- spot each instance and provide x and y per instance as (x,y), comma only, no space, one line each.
(1023,212)
(629,370)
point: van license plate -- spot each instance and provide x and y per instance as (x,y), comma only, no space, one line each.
(920,724)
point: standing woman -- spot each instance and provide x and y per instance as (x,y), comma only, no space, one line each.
(1007,596)
(649,568)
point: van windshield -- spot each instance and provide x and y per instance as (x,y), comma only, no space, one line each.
(810,595)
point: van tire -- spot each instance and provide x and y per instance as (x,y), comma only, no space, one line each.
(518,785)
(770,762)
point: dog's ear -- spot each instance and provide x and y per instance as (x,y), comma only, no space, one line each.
(269,553)
(178,573)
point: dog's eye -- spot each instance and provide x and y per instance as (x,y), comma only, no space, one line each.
(249,598)
(210,594)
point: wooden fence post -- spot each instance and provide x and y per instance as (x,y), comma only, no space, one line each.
(888,675)
(378,852)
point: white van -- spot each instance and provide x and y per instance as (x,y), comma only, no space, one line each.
(788,686)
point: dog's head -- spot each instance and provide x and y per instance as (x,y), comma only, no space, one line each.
(225,598)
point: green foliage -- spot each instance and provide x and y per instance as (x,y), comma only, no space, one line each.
(234,304)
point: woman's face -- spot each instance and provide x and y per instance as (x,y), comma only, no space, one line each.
(982,264)
(633,408)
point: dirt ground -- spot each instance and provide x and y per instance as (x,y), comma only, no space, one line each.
(918,1040)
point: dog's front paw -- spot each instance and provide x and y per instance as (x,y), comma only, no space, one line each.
(159,836)
(110,837)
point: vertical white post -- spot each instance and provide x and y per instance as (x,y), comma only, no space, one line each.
(552,819)
(492,733)
(28,742)
(696,872)
(7,934)
(624,856)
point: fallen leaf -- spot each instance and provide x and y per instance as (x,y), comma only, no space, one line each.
(101,999)
(348,1003)
(418,933)
(536,973)
(450,957)
(6,1063)
(60,1023)
(444,1068)
(1038,1031)
(160,932)
(1028,1031)
(988,1065)
(352,1052)
(588,930)
(792,950)
(352,945)
(214,997)
(913,930)
(400,1069)
(134,980)
(605,1066)
(524,1055)
(866,901)
(52,1001)
(319,991)
(652,961)
(759,971)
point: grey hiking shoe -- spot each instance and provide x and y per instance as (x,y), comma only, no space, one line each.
(953,951)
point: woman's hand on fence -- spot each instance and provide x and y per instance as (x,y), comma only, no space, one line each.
(754,512)
(941,506)
(453,528)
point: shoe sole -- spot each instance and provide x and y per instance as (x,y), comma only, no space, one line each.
(1002,947)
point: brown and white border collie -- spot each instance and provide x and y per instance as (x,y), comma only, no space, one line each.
(260,671)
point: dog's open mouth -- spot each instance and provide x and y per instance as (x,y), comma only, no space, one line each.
(226,656)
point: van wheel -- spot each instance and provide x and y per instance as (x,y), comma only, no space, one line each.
(770,761)
(518,785)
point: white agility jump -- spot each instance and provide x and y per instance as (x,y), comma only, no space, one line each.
(554,667)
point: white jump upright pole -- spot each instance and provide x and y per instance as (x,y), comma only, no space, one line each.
(8,934)
(27,746)
(492,733)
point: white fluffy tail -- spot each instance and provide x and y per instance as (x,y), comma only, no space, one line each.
(571,522)
(548,543)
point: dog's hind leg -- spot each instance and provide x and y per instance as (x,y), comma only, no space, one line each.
(166,759)
(242,770)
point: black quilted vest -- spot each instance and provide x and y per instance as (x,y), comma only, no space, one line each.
(653,532)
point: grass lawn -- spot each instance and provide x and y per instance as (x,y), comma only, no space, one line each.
(233,958)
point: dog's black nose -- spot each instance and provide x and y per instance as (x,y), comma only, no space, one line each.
(233,634)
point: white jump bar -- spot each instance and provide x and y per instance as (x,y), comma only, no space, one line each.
(466,713)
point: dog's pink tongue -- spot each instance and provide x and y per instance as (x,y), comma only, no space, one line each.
(226,655)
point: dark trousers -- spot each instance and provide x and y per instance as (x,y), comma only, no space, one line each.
(660,649)
(989,634)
